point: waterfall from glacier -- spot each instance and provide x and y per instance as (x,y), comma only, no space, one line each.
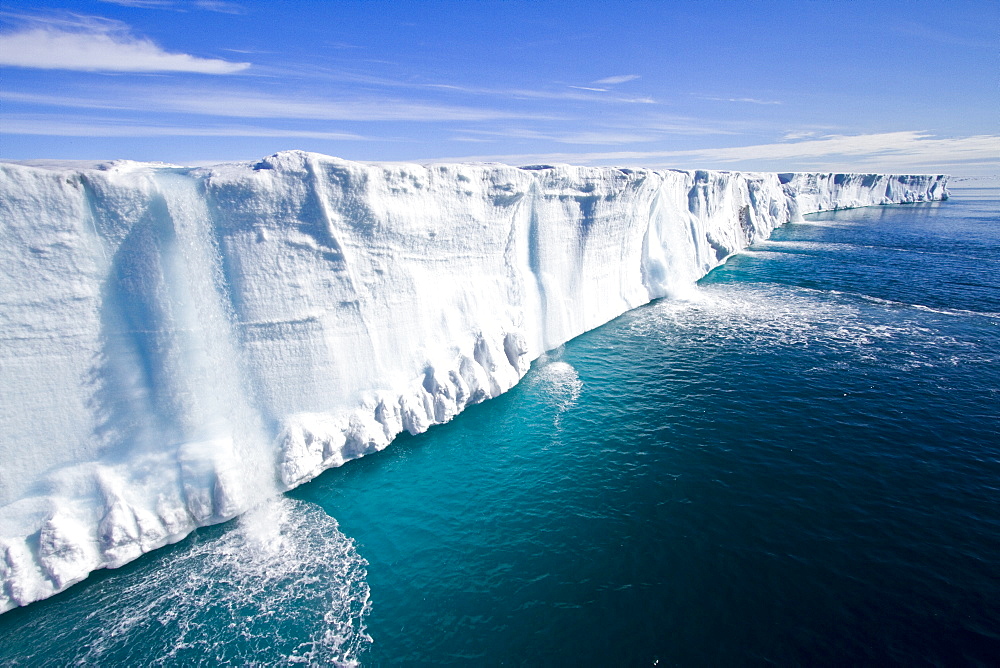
(218,420)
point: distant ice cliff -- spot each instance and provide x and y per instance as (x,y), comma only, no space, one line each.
(178,344)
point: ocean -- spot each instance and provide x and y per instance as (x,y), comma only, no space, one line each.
(797,464)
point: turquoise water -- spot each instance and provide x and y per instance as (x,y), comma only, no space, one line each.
(799,466)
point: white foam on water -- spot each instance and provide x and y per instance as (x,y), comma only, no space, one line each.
(955,312)
(760,254)
(806,246)
(828,223)
(282,585)
(763,316)
(557,381)
(775,245)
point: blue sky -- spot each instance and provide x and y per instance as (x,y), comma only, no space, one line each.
(863,86)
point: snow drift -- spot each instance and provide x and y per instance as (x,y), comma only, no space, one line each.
(178,344)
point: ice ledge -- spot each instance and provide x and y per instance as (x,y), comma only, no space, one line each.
(176,342)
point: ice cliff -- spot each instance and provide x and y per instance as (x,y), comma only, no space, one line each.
(178,343)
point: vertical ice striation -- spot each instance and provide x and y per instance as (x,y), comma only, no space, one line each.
(179,344)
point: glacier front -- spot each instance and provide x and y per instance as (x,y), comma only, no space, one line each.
(178,344)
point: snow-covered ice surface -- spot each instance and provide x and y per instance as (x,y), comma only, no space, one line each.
(178,344)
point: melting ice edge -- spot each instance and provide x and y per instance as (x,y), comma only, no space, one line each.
(178,344)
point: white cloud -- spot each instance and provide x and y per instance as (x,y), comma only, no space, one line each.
(935,35)
(142,4)
(473,140)
(621,78)
(800,134)
(173,5)
(114,128)
(244,104)
(100,47)
(219,6)
(534,94)
(605,138)
(909,148)
(687,125)
(884,152)
(591,137)
(250,105)
(748,100)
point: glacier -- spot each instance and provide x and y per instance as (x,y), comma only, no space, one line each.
(179,344)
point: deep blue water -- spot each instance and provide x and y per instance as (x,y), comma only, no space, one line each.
(800,466)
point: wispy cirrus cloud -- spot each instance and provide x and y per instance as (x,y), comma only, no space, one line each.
(602,136)
(933,34)
(534,94)
(898,148)
(220,6)
(94,44)
(107,127)
(877,152)
(641,130)
(250,104)
(800,134)
(747,100)
(619,79)
(606,137)
(142,4)
(255,105)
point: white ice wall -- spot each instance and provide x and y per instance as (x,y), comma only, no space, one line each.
(178,343)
